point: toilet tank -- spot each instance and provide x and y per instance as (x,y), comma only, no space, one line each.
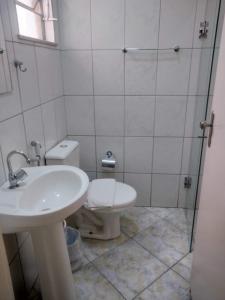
(65,153)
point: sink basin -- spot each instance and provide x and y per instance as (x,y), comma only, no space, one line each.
(39,205)
(48,195)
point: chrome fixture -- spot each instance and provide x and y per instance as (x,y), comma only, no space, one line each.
(187,182)
(203,31)
(176,48)
(125,50)
(205,124)
(109,161)
(19,175)
(37,149)
(19,65)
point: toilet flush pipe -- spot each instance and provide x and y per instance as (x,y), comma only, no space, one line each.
(6,288)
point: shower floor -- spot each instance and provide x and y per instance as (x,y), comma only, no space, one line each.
(149,261)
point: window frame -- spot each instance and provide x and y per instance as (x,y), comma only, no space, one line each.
(43,28)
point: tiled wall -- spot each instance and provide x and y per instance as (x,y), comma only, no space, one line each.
(34,110)
(145,106)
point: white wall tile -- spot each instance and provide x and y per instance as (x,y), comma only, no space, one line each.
(75,24)
(191,156)
(142,184)
(60,115)
(173,72)
(34,129)
(142,23)
(28,81)
(140,72)
(109,115)
(12,137)
(170,115)
(187,196)
(167,155)
(196,107)
(139,115)
(177,23)
(17,277)
(77,72)
(107,24)
(49,120)
(87,152)
(5,20)
(91,175)
(49,73)
(108,72)
(10,246)
(114,144)
(164,190)
(117,176)
(2,171)
(138,154)
(200,71)
(80,115)
(206,10)
(10,102)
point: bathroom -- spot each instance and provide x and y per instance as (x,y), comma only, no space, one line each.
(112,92)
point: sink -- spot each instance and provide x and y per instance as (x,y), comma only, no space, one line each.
(47,196)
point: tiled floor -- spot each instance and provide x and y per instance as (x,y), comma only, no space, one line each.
(149,261)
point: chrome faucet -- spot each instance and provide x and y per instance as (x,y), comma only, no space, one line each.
(19,175)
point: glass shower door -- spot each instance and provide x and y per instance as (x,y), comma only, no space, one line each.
(198,109)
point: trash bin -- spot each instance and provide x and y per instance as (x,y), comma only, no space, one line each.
(74,247)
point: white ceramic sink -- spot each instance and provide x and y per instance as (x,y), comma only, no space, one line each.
(39,205)
(48,195)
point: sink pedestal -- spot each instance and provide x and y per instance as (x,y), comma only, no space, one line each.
(53,263)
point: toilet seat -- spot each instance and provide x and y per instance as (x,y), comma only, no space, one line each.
(124,196)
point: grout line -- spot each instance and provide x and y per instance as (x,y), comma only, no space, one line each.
(124,89)
(113,286)
(119,49)
(136,95)
(169,268)
(93,88)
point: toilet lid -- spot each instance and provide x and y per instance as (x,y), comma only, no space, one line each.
(124,195)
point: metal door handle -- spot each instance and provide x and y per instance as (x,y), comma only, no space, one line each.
(205,124)
(1,51)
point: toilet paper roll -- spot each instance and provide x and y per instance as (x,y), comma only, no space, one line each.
(109,161)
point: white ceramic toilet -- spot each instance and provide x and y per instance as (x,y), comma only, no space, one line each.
(99,218)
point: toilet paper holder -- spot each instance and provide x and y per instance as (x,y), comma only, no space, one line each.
(109,160)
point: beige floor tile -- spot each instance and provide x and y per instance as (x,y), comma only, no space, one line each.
(91,285)
(168,287)
(165,241)
(184,267)
(130,268)
(136,219)
(93,248)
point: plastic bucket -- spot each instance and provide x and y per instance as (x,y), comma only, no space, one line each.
(74,247)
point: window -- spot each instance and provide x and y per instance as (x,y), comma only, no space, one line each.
(35,19)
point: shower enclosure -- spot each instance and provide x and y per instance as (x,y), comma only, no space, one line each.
(199,106)
(144,74)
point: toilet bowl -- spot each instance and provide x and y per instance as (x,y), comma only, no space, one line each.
(99,218)
(102,221)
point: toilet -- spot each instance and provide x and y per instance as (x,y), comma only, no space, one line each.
(99,218)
